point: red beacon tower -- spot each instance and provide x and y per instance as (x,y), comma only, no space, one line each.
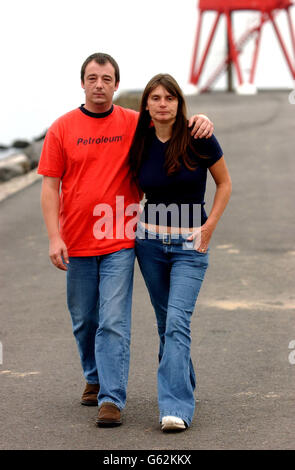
(268,10)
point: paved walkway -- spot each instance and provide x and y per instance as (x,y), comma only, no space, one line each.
(242,328)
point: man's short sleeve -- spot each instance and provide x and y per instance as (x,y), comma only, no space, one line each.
(52,158)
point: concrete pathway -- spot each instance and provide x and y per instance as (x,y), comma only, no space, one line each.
(243,329)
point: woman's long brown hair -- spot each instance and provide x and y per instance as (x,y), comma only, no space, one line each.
(180,139)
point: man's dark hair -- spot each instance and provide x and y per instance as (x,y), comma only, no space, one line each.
(101,59)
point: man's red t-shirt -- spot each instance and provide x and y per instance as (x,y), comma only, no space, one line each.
(89,152)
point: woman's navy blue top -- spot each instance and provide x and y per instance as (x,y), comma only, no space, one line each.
(177,199)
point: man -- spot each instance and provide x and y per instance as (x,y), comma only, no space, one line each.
(84,162)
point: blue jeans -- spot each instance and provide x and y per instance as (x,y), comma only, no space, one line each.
(99,295)
(173,272)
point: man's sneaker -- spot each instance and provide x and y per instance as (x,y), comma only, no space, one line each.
(172,423)
(109,415)
(89,397)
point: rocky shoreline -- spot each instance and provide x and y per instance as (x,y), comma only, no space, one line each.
(18,169)
(23,158)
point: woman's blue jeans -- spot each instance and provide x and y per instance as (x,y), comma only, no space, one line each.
(173,272)
(99,295)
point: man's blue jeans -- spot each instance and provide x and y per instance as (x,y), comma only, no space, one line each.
(173,272)
(99,295)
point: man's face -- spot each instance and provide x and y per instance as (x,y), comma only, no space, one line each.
(99,85)
(162,106)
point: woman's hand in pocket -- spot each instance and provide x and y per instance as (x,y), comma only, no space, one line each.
(201,238)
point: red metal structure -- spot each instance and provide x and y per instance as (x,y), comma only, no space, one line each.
(268,10)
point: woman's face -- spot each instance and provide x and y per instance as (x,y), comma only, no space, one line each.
(162,106)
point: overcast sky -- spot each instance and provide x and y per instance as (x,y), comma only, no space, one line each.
(45,42)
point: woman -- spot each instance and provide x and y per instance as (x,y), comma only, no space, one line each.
(172,243)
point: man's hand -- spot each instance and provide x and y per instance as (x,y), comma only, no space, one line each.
(57,251)
(203,127)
